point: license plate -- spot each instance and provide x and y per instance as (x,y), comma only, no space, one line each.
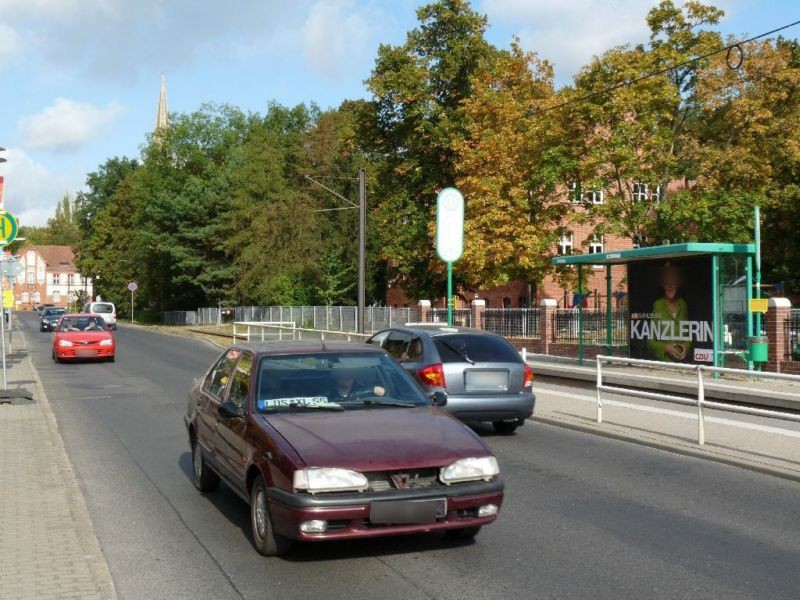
(407,512)
(486,381)
(86,353)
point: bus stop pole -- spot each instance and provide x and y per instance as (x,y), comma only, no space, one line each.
(757,218)
(580,314)
(748,297)
(715,324)
(609,337)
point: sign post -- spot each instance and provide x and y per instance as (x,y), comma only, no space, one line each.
(8,233)
(449,236)
(132,287)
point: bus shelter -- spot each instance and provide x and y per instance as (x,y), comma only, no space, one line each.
(678,295)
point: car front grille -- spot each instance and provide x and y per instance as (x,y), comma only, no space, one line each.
(382,481)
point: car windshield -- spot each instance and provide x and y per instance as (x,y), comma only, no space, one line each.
(51,312)
(335,382)
(82,324)
(102,308)
(474,347)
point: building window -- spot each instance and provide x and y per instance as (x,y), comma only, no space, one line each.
(595,196)
(596,244)
(37,297)
(30,278)
(565,243)
(643,192)
(56,279)
(25,298)
(575,192)
(56,297)
(70,280)
(578,195)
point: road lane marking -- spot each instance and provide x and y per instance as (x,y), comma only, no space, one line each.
(676,413)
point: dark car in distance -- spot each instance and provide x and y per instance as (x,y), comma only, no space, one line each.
(50,317)
(484,377)
(329,440)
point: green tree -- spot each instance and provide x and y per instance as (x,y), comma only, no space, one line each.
(410,126)
(62,227)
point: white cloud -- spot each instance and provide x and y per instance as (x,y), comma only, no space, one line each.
(335,36)
(10,42)
(66,123)
(570,33)
(31,190)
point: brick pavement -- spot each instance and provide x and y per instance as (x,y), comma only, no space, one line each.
(48,549)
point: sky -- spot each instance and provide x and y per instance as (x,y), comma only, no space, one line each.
(80,78)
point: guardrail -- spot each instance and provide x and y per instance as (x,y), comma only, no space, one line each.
(700,402)
(286,330)
(261,326)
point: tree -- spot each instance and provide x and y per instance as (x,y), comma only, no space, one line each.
(509,168)
(409,128)
(62,227)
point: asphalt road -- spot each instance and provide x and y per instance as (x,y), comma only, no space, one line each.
(584,516)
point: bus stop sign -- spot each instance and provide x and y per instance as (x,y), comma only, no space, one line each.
(449,225)
(8,228)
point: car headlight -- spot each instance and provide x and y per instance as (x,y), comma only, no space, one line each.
(64,343)
(106,342)
(470,469)
(329,480)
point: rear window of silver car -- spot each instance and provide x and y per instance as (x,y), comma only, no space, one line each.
(474,347)
(101,308)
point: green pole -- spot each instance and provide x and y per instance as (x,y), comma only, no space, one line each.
(580,314)
(749,296)
(609,322)
(757,217)
(450,294)
(715,324)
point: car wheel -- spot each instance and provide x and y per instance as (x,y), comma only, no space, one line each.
(462,535)
(112,358)
(204,478)
(505,427)
(266,541)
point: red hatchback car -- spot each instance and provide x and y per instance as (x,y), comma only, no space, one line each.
(332,441)
(83,337)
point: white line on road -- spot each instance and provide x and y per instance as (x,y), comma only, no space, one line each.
(676,413)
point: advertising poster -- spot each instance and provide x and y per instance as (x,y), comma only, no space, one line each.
(671,310)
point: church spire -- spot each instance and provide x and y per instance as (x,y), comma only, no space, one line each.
(161,115)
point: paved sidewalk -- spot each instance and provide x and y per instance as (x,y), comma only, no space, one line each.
(765,445)
(48,549)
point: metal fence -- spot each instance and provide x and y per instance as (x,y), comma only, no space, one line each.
(513,322)
(179,317)
(793,335)
(566,327)
(462,317)
(328,318)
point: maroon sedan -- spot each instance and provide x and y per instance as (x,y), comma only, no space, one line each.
(332,440)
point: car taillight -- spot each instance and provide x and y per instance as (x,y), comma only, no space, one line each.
(528,382)
(432,375)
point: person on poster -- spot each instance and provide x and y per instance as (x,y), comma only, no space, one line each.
(670,307)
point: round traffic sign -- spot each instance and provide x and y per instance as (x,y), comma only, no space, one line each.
(132,286)
(8,228)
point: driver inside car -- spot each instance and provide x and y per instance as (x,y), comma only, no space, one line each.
(349,386)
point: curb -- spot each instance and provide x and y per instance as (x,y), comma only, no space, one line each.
(90,545)
(673,447)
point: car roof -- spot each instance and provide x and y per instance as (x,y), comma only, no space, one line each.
(437,329)
(306,347)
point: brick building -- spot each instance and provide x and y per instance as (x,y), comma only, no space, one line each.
(50,277)
(578,237)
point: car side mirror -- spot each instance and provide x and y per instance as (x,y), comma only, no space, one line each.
(230,410)
(439,399)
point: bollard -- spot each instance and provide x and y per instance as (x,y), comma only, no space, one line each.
(599,398)
(701,396)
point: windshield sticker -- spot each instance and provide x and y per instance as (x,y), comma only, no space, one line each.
(298,401)
(233,354)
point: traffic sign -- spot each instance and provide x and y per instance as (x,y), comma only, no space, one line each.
(132,286)
(11,268)
(449,224)
(8,228)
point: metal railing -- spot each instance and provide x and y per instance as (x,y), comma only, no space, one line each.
(513,322)
(700,402)
(792,336)
(179,317)
(567,326)
(462,317)
(264,331)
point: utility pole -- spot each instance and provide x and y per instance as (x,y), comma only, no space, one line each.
(362,247)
